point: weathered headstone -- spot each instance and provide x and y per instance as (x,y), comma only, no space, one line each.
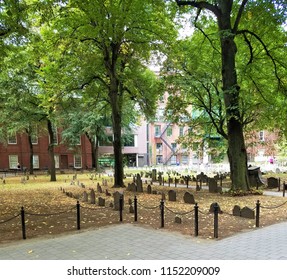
(172,195)
(132,187)
(85,196)
(139,184)
(153,175)
(236,211)
(188,198)
(246,212)
(93,196)
(131,209)
(272,182)
(163,196)
(211,209)
(212,185)
(99,188)
(102,201)
(149,190)
(117,196)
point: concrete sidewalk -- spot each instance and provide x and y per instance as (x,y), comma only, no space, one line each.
(133,242)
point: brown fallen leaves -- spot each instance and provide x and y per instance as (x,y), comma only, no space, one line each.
(50,211)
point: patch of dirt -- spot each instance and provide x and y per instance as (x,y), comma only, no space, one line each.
(50,209)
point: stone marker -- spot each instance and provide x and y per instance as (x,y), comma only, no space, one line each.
(131,209)
(101,201)
(212,185)
(149,190)
(211,209)
(248,213)
(85,196)
(188,198)
(272,182)
(171,195)
(177,220)
(99,188)
(93,197)
(117,196)
(236,211)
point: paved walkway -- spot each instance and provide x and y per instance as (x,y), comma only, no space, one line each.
(133,242)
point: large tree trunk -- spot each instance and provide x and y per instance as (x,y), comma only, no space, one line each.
(31,151)
(117,143)
(236,145)
(51,153)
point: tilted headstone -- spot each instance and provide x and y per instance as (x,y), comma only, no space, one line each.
(93,197)
(247,212)
(99,188)
(188,198)
(236,211)
(172,195)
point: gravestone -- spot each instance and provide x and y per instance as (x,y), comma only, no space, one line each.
(130,201)
(139,184)
(163,196)
(188,198)
(132,187)
(85,196)
(236,211)
(149,190)
(131,209)
(160,179)
(212,185)
(117,196)
(177,220)
(93,197)
(273,182)
(102,201)
(99,188)
(211,209)
(153,175)
(171,195)
(248,213)
(154,192)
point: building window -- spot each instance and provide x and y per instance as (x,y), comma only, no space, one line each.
(77,161)
(157,130)
(34,139)
(173,145)
(159,159)
(129,141)
(13,161)
(169,131)
(12,139)
(159,147)
(261,135)
(181,131)
(35,161)
(57,161)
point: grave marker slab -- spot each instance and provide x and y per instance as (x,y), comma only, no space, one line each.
(93,197)
(248,213)
(171,195)
(236,211)
(188,198)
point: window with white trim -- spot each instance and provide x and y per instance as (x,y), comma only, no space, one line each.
(12,138)
(13,161)
(35,161)
(77,161)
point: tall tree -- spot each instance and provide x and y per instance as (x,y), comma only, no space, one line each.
(229,16)
(115,43)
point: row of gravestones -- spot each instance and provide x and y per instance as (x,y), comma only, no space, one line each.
(245,212)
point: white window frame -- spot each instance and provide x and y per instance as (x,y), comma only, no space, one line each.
(261,136)
(14,137)
(13,161)
(36,162)
(77,161)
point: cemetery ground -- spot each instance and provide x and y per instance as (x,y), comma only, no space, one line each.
(50,207)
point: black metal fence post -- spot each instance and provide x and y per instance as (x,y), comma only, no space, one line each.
(284,188)
(78,216)
(136,208)
(196,219)
(23,222)
(162,212)
(216,208)
(121,208)
(257,213)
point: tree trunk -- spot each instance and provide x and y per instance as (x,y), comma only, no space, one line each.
(51,153)
(236,145)
(31,165)
(117,143)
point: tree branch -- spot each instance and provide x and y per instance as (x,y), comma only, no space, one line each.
(239,15)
